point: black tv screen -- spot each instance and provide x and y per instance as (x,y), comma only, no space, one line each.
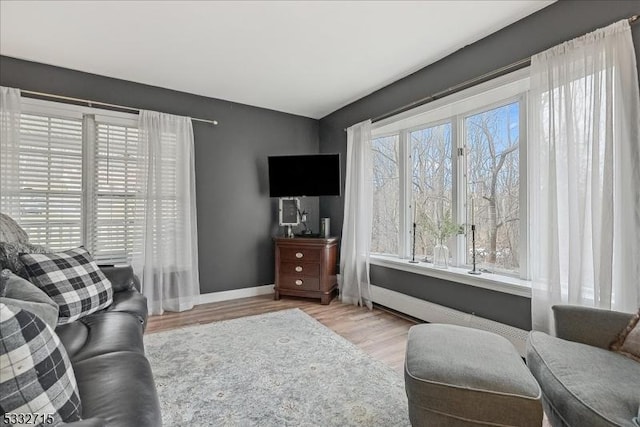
(306,175)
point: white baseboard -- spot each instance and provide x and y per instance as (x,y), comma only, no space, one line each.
(415,307)
(435,313)
(235,294)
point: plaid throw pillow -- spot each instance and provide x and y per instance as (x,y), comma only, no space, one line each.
(36,376)
(72,279)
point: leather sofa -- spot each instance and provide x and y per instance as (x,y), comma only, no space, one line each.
(106,350)
(582,382)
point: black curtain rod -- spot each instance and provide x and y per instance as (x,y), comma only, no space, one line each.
(457,88)
(89,103)
(469,83)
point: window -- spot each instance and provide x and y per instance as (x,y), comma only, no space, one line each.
(386,195)
(118,207)
(431,183)
(492,139)
(458,160)
(78,179)
(50,180)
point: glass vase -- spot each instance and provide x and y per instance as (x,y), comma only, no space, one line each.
(441,256)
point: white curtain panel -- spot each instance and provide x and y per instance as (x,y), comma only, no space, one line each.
(584,157)
(167,259)
(9,151)
(358,207)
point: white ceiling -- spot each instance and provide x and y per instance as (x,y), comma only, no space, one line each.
(306,58)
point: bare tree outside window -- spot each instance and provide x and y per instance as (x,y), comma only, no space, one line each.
(431,183)
(433,164)
(386,196)
(492,142)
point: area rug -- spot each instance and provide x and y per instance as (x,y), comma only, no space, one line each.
(276,369)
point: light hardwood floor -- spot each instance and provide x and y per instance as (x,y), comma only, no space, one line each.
(379,333)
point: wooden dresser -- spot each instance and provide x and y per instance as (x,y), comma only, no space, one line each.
(306,267)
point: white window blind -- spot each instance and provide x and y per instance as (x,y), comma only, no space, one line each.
(77,180)
(50,180)
(117,206)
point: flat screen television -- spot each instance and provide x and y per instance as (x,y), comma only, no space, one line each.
(304,175)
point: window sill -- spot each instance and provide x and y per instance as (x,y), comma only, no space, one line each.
(494,282)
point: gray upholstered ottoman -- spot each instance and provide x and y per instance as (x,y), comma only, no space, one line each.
(457,376)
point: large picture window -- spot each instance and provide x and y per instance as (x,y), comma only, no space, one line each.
(458,162)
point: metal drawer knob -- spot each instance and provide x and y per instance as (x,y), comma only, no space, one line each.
(299,282)
(299,254)
(298,268)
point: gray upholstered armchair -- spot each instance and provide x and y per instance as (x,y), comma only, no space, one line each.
(583,383)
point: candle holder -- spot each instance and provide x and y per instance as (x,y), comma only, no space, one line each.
(473,253)
(413,251)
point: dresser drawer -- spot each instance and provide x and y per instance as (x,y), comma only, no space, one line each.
(302,283)
(300,269)
(300,254)
(306,267)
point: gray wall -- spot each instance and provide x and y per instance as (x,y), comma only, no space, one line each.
(236,217)
(548,27)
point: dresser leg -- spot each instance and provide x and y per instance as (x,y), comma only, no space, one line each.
(276,296)
(326,299)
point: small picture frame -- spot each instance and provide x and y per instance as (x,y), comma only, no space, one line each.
(289,211)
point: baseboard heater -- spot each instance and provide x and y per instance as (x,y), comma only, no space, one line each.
(435,313)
